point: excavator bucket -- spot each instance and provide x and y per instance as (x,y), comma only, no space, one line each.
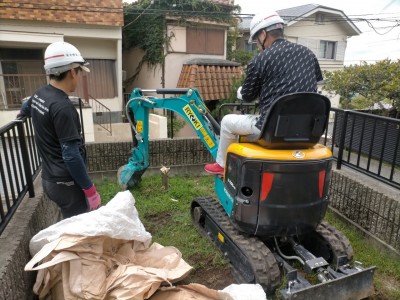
(128,176)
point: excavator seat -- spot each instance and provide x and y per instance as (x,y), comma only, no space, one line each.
(294,121)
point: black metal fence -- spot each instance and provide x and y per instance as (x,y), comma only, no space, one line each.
(368,143)
(20,164)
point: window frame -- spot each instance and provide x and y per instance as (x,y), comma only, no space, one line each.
(204,34)
(326,51)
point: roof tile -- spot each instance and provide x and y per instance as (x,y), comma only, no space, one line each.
(213,81)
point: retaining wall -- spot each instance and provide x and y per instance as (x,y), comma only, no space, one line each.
(32,215)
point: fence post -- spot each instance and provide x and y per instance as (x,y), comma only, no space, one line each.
(25,159)
(342,140)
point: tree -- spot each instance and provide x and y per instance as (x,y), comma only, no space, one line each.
(366,83)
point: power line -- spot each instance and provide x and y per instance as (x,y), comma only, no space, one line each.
(192,13)
(137,16)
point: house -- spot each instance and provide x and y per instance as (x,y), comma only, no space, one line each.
(323,29)
(94,27)
(196,42)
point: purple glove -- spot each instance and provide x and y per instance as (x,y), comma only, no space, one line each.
(93,198)
(20,115)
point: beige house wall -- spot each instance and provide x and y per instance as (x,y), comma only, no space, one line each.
(148,78)
(176,56)
(310,34)
(328,31)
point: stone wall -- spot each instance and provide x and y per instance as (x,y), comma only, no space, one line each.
(368,207)
(177,152)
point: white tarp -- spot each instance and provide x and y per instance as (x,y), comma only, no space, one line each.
(107,254)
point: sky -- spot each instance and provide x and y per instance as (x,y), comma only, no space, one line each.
(371,45)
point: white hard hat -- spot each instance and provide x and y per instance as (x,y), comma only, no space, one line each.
(60,57)
(269,20)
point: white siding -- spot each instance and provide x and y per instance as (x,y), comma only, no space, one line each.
(340,50)
(312,44)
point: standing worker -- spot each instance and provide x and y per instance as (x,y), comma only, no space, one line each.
(58,133)
(279,69)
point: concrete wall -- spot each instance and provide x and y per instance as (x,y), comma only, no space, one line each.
(32,215)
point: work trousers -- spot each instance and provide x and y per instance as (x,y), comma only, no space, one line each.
(68,196)
(231,127)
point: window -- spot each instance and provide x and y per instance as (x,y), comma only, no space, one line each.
(250,47)
(23,73)
(319,19)
(101,81)
(327,49)
(205,41)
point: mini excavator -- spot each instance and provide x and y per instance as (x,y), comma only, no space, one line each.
(268,218)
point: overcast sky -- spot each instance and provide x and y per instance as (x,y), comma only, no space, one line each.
(370,45)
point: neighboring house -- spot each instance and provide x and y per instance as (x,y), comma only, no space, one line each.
(324,30)
(197,39)
(27,28)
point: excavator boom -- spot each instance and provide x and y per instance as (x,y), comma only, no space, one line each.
(189,105)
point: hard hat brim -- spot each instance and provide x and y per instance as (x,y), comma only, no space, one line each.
(82,66)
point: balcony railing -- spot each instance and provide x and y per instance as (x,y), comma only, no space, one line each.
(15,87)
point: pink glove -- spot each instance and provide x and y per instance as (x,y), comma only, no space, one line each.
(93,198)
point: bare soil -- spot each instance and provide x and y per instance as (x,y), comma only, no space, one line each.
(214,277)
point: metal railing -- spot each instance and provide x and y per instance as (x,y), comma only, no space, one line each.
(101,114)
(17,87)
(367,143)
(20,164)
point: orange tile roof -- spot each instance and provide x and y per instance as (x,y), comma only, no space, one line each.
(212,79)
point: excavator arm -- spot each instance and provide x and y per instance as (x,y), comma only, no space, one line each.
(188,104)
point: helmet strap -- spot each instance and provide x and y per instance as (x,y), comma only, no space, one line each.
(265,39)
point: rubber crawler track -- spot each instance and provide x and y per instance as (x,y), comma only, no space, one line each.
(260,258)
(338,243)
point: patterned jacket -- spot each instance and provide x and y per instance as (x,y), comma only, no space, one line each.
(281,69)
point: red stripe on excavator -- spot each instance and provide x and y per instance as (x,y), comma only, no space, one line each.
(321,182)
(266,184)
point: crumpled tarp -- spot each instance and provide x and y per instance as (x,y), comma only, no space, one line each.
(107,254)
(118,219)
